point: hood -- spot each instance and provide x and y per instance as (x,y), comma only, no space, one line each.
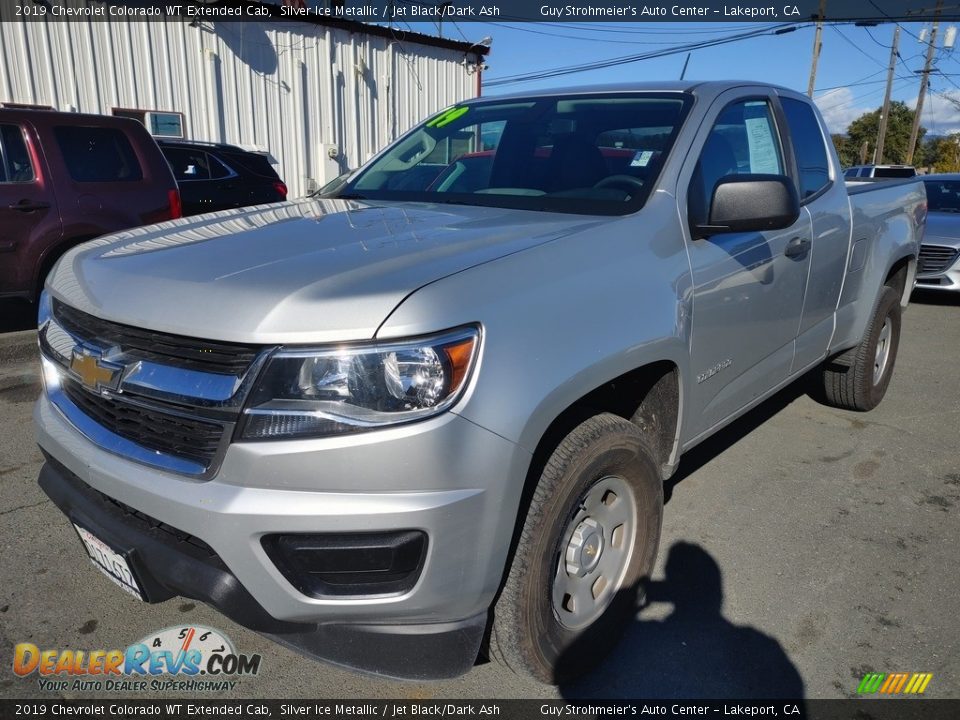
(298,272)
(943,228)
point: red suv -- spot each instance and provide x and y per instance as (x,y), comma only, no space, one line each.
(66,178)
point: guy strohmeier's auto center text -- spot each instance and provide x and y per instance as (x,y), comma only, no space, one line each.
(642,12)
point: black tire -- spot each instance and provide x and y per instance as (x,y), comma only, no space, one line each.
(851,382)
(527,633)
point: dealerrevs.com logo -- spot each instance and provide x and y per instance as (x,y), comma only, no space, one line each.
(181,659)
(894,683)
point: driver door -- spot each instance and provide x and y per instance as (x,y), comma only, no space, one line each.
(748,286)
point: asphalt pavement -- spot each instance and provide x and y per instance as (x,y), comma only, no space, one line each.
(803,547)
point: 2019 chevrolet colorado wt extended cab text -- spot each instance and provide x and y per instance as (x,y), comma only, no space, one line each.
(432,417)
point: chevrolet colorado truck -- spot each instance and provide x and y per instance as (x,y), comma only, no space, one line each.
(429,419)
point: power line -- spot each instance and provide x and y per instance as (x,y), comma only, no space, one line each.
(580,38)
(900,84)
(862,81)
(858,48)
(627,59)
(459,30)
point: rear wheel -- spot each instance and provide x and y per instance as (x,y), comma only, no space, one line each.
(859,379)
(590,536)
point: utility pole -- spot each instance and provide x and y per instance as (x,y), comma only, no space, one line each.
(444,9)
(816,48)
(885,113)
(924,81)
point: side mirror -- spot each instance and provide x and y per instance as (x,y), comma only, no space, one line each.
(751,203)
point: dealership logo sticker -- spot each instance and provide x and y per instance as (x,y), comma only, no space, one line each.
(894,683)
(180,659)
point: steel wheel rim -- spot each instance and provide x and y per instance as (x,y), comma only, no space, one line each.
(882,355)
(595,552)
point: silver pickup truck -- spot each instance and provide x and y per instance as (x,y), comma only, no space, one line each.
(429,419)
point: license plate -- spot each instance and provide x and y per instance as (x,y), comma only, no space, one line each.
(109,562)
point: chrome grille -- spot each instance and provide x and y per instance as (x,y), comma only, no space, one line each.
(186,352)
(163,400)
(935,259)
(176,435)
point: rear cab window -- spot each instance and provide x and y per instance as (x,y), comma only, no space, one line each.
(97,154)
(808,147)
(15,163)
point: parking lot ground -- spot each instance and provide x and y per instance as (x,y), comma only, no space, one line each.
(802,547)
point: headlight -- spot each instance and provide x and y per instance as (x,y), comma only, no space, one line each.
(44,308)
(353,388)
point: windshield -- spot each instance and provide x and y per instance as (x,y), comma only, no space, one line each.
(943,195)
(593,154)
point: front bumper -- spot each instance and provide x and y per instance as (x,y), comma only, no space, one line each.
(455,481)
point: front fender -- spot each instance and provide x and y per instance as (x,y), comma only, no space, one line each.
(561,319)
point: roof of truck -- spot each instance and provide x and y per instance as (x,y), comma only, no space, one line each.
(713,86)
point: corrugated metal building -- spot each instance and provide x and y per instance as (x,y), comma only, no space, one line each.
(319,97)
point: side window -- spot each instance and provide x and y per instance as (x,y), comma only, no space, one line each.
(15,165)
(743,141)
(217,169)
(808,146)
(97,154)
(188,164)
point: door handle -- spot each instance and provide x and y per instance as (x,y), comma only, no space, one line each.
(27,206)
(797,247)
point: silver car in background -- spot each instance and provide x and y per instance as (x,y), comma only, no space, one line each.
(939,264)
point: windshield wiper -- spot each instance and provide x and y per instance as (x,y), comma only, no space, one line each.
(455,202)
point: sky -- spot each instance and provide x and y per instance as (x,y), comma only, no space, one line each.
(851,73)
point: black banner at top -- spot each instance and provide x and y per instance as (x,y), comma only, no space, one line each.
(406,11)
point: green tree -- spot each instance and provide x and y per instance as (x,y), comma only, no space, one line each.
(865,128)
(840,144)
(943,153)
(848,154)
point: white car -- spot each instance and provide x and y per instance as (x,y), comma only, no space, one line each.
(939,265)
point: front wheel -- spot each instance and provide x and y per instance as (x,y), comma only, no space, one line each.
(862,382)
(590,536)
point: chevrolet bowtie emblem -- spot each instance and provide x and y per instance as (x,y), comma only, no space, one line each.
(93,371)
